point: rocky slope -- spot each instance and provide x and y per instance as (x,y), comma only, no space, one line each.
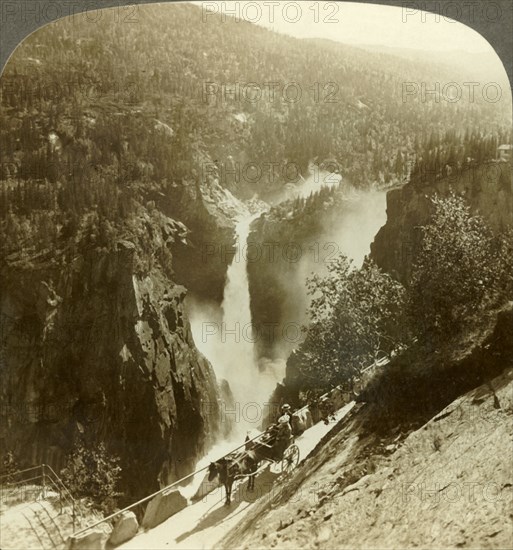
(208,210)
(488,189)
(402,472)
(97,348)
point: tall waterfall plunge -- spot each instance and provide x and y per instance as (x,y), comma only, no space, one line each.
(226,337)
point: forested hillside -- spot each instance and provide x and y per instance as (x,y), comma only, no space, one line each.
(96,114)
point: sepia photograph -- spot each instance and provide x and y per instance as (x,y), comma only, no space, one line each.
(256,275)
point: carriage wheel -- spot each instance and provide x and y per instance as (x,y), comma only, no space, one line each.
(290,459)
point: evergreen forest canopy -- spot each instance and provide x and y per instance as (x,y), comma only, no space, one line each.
(97,115)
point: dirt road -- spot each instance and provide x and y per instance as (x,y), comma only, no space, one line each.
(202,524)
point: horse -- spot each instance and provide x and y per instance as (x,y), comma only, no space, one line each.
(230,467)
(300,421)
(313,404)
(315,411)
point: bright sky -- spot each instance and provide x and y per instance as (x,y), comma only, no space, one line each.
(368,24)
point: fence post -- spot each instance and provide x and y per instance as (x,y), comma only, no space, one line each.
(44,480)
(60,496)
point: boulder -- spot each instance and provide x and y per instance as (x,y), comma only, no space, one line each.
(163,506)
(94,539)
(125,528)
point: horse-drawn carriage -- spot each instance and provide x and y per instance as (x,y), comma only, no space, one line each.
(283,456)
(283,453)
(246,463)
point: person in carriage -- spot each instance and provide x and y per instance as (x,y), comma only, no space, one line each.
(286,410)
(277,438)
(283,436)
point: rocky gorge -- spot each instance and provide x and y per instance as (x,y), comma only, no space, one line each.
(98,349)
(487,188)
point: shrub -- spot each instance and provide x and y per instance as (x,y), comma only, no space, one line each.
(9,466)
(93,474)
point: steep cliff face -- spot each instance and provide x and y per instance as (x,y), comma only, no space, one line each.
(208,210)
(277,292)
(97,350)
(486,187)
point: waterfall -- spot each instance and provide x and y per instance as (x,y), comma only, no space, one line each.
(226,337)
(230,350)
(239,364)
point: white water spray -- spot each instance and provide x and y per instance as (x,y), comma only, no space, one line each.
(251,385)
(225,334)
(236,334)
(317,180)
(227,337)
